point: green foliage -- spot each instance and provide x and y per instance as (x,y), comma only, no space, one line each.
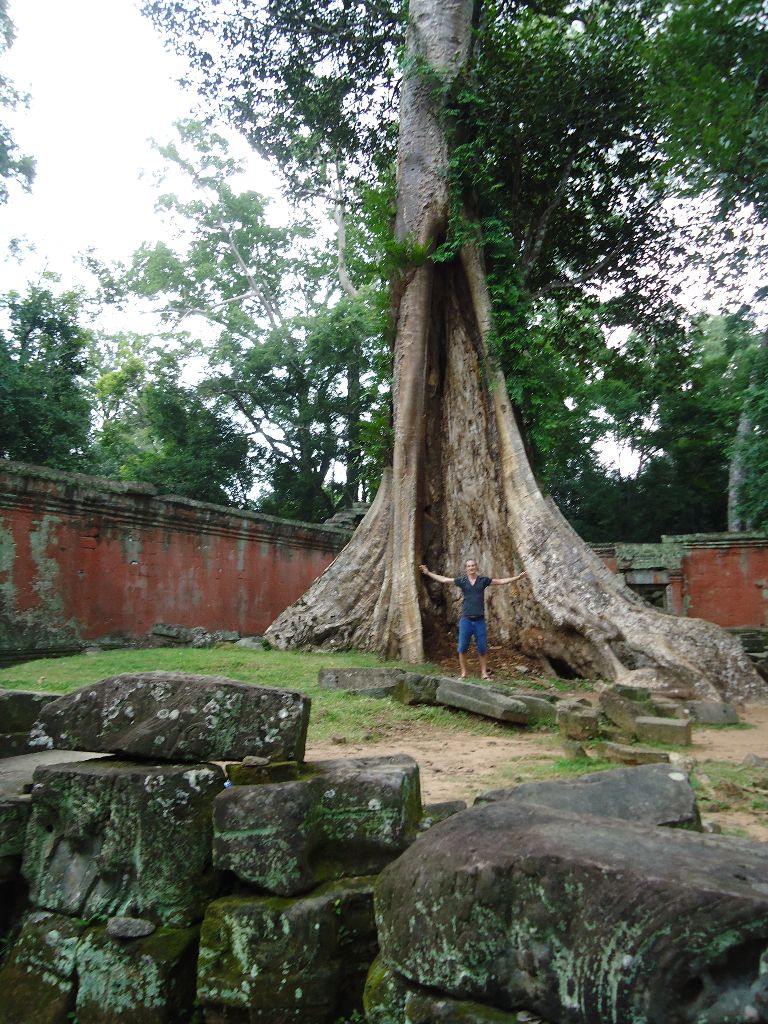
(44,405)
(14,166)
(312,86)
(753,497)
(708,72)
(288,362)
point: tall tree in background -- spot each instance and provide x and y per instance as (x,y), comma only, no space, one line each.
(461,479)
(14,166)
(44,402)
(286,354)
(150,427)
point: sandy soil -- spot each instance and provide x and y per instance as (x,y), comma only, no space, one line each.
(460,765)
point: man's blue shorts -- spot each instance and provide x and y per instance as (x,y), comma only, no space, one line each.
(477,629)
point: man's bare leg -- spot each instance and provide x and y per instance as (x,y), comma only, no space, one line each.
(484,674)
(463,665)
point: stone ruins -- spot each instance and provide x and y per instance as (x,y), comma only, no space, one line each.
(175,859)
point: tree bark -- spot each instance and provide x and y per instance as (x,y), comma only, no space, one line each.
(461,484)
(736,470)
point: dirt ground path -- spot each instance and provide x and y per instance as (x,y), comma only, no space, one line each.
(460,765)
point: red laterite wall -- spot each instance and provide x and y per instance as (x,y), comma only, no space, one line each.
(82,558)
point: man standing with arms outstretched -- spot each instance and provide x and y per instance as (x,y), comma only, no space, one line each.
(472,621)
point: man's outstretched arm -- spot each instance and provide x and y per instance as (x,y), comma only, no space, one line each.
(438,579)
(511,579)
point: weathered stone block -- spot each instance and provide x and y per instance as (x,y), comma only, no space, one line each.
(663,730)
(416,689)
(663,707)
(20,709)
(578,723)
(653,794)
(37,982)
(343,818)
(482,700)
(622,711)
(14,815)
(287,961)
(540,710)
(147,980)
(580,919)
(633,754)
(244,774)
(369,682)
(119,838)
(177,717)
(711,712)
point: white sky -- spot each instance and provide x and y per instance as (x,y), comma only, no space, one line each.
(101,86)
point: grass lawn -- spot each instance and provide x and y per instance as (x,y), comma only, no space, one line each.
(334,712)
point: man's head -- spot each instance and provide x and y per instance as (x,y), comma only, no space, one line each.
(470,567)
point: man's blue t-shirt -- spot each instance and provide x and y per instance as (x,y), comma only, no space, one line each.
(474,595)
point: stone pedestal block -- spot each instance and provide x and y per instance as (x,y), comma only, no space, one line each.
(578,723)
(38,981)
(369,682)
(111,837)
(287,961)
(582,920)
(147,980)
(663,730)
(343,818)
(711,712)
(177,717)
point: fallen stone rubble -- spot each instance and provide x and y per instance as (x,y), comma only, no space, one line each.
(629,719)
(193,866)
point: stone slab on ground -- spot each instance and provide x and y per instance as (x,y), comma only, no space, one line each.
(654,794)
(711,712)
(151,979)
(417,689)
(108,837)
(651,729)
(581,919)
(175,716)
(482,700)
(287,961)
(342,818)
(541,711)
(370,682)
(633,754)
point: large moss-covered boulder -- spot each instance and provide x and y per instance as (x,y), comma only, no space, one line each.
(113,837)
(287,961)
(177,717)
(656,794)
(38,980)
(341,818)
(583,920)
(149,980)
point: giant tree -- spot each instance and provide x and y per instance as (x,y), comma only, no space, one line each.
(460,480)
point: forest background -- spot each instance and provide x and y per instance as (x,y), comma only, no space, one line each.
(619,162)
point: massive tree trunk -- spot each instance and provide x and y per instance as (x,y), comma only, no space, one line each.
(461,484)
